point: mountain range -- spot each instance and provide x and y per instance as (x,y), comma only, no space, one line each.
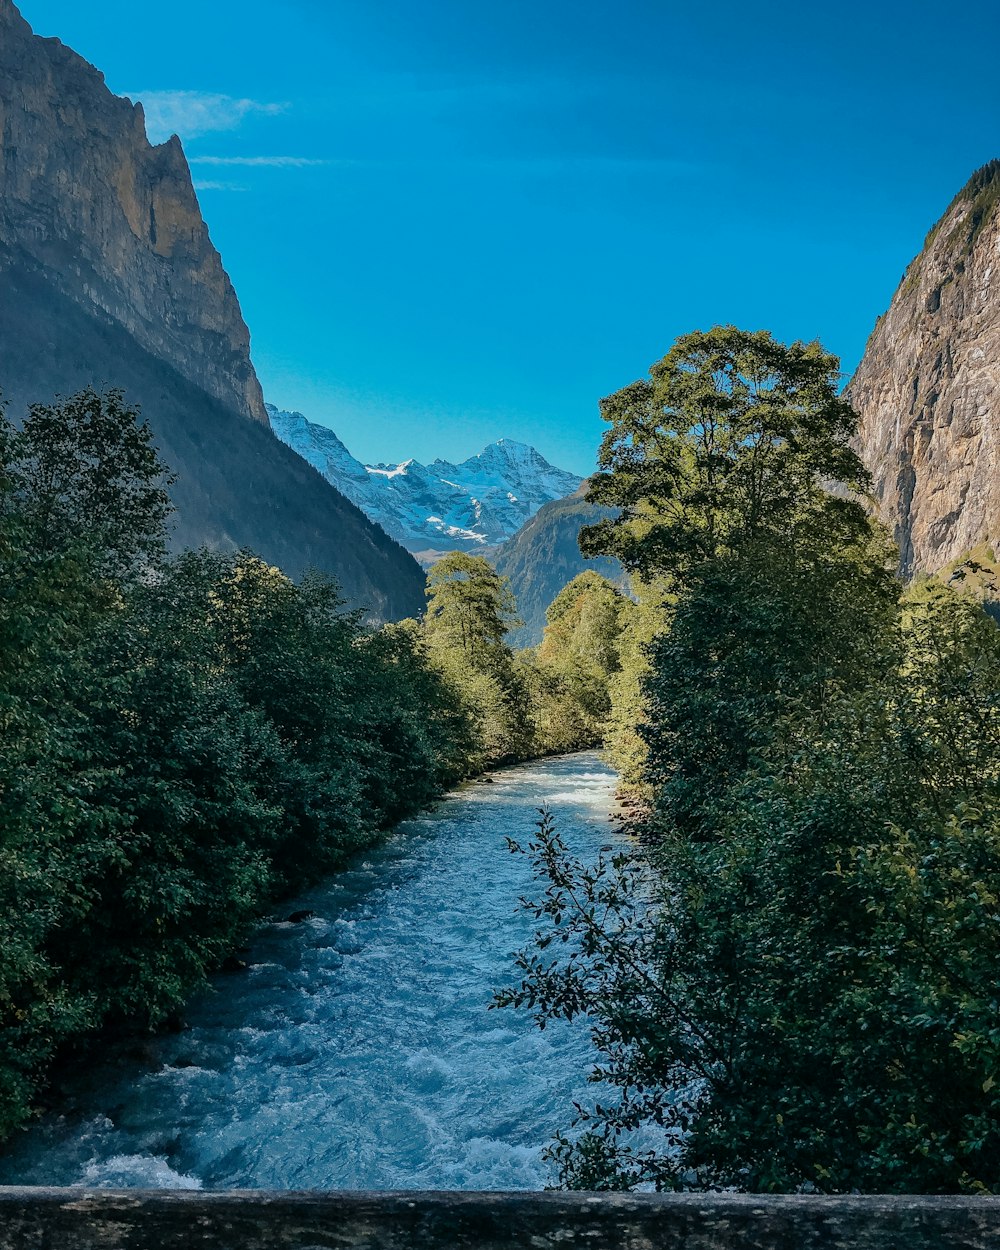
(432,508)
(927,392)
(108,276)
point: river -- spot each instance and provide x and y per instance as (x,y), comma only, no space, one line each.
(357,1051)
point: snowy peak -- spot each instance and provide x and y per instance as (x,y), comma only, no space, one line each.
(317,444)
(392,470)
(470,506)
(514,469)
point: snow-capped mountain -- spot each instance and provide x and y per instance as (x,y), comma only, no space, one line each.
(439,506)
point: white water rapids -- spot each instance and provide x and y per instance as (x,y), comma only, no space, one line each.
(357,1051)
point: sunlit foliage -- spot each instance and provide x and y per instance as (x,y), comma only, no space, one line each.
(791,979)
(181,740)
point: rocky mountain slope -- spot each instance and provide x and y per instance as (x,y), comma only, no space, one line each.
(113,220)
(928,388)
(438,507)
(544,555)
(108,276)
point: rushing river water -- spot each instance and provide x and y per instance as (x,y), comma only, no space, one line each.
(357,1051)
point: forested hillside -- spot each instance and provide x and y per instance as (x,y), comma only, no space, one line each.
(544,555)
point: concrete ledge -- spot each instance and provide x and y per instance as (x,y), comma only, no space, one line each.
(89,1219)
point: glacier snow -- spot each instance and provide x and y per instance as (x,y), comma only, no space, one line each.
(472,506)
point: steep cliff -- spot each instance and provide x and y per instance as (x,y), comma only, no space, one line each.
(108,276)
(113,220)
(928,387)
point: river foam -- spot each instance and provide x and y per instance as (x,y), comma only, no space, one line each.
(357,1051)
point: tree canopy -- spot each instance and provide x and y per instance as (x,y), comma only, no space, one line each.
(469,605)
(789,975)
(734,437)
(182,740)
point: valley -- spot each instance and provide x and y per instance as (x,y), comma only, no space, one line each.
(307,761)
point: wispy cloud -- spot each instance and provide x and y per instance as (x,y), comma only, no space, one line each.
(259,162)
(193,113)
(218,186)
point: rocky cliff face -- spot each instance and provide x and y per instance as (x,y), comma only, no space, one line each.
(108,277)
(112,219)
(928,388)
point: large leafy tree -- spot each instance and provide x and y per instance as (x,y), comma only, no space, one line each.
(788,986)
(84,472)
(82,510)
(469,605)
(733,438)
(775,590)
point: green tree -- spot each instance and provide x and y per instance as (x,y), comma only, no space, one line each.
(789,985)
(733,438)
(470,608)
(577,659)
(775,592)
(84,470)
(81,502)
(624,741)
(469,605)
(182,756)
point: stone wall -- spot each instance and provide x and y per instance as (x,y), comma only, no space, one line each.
(78,1219)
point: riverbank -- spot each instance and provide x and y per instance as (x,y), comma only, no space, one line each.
(357,1050)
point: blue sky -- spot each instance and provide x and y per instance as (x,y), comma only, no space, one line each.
(450,221)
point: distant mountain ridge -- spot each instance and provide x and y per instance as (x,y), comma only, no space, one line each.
(472,506)
(544,556)
(108,277)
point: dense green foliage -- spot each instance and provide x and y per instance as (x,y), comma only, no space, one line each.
(624,731)
(185,739)
(544,555)
(181,740)
(469,610)
(793,985)
(536,702)
(576,663)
